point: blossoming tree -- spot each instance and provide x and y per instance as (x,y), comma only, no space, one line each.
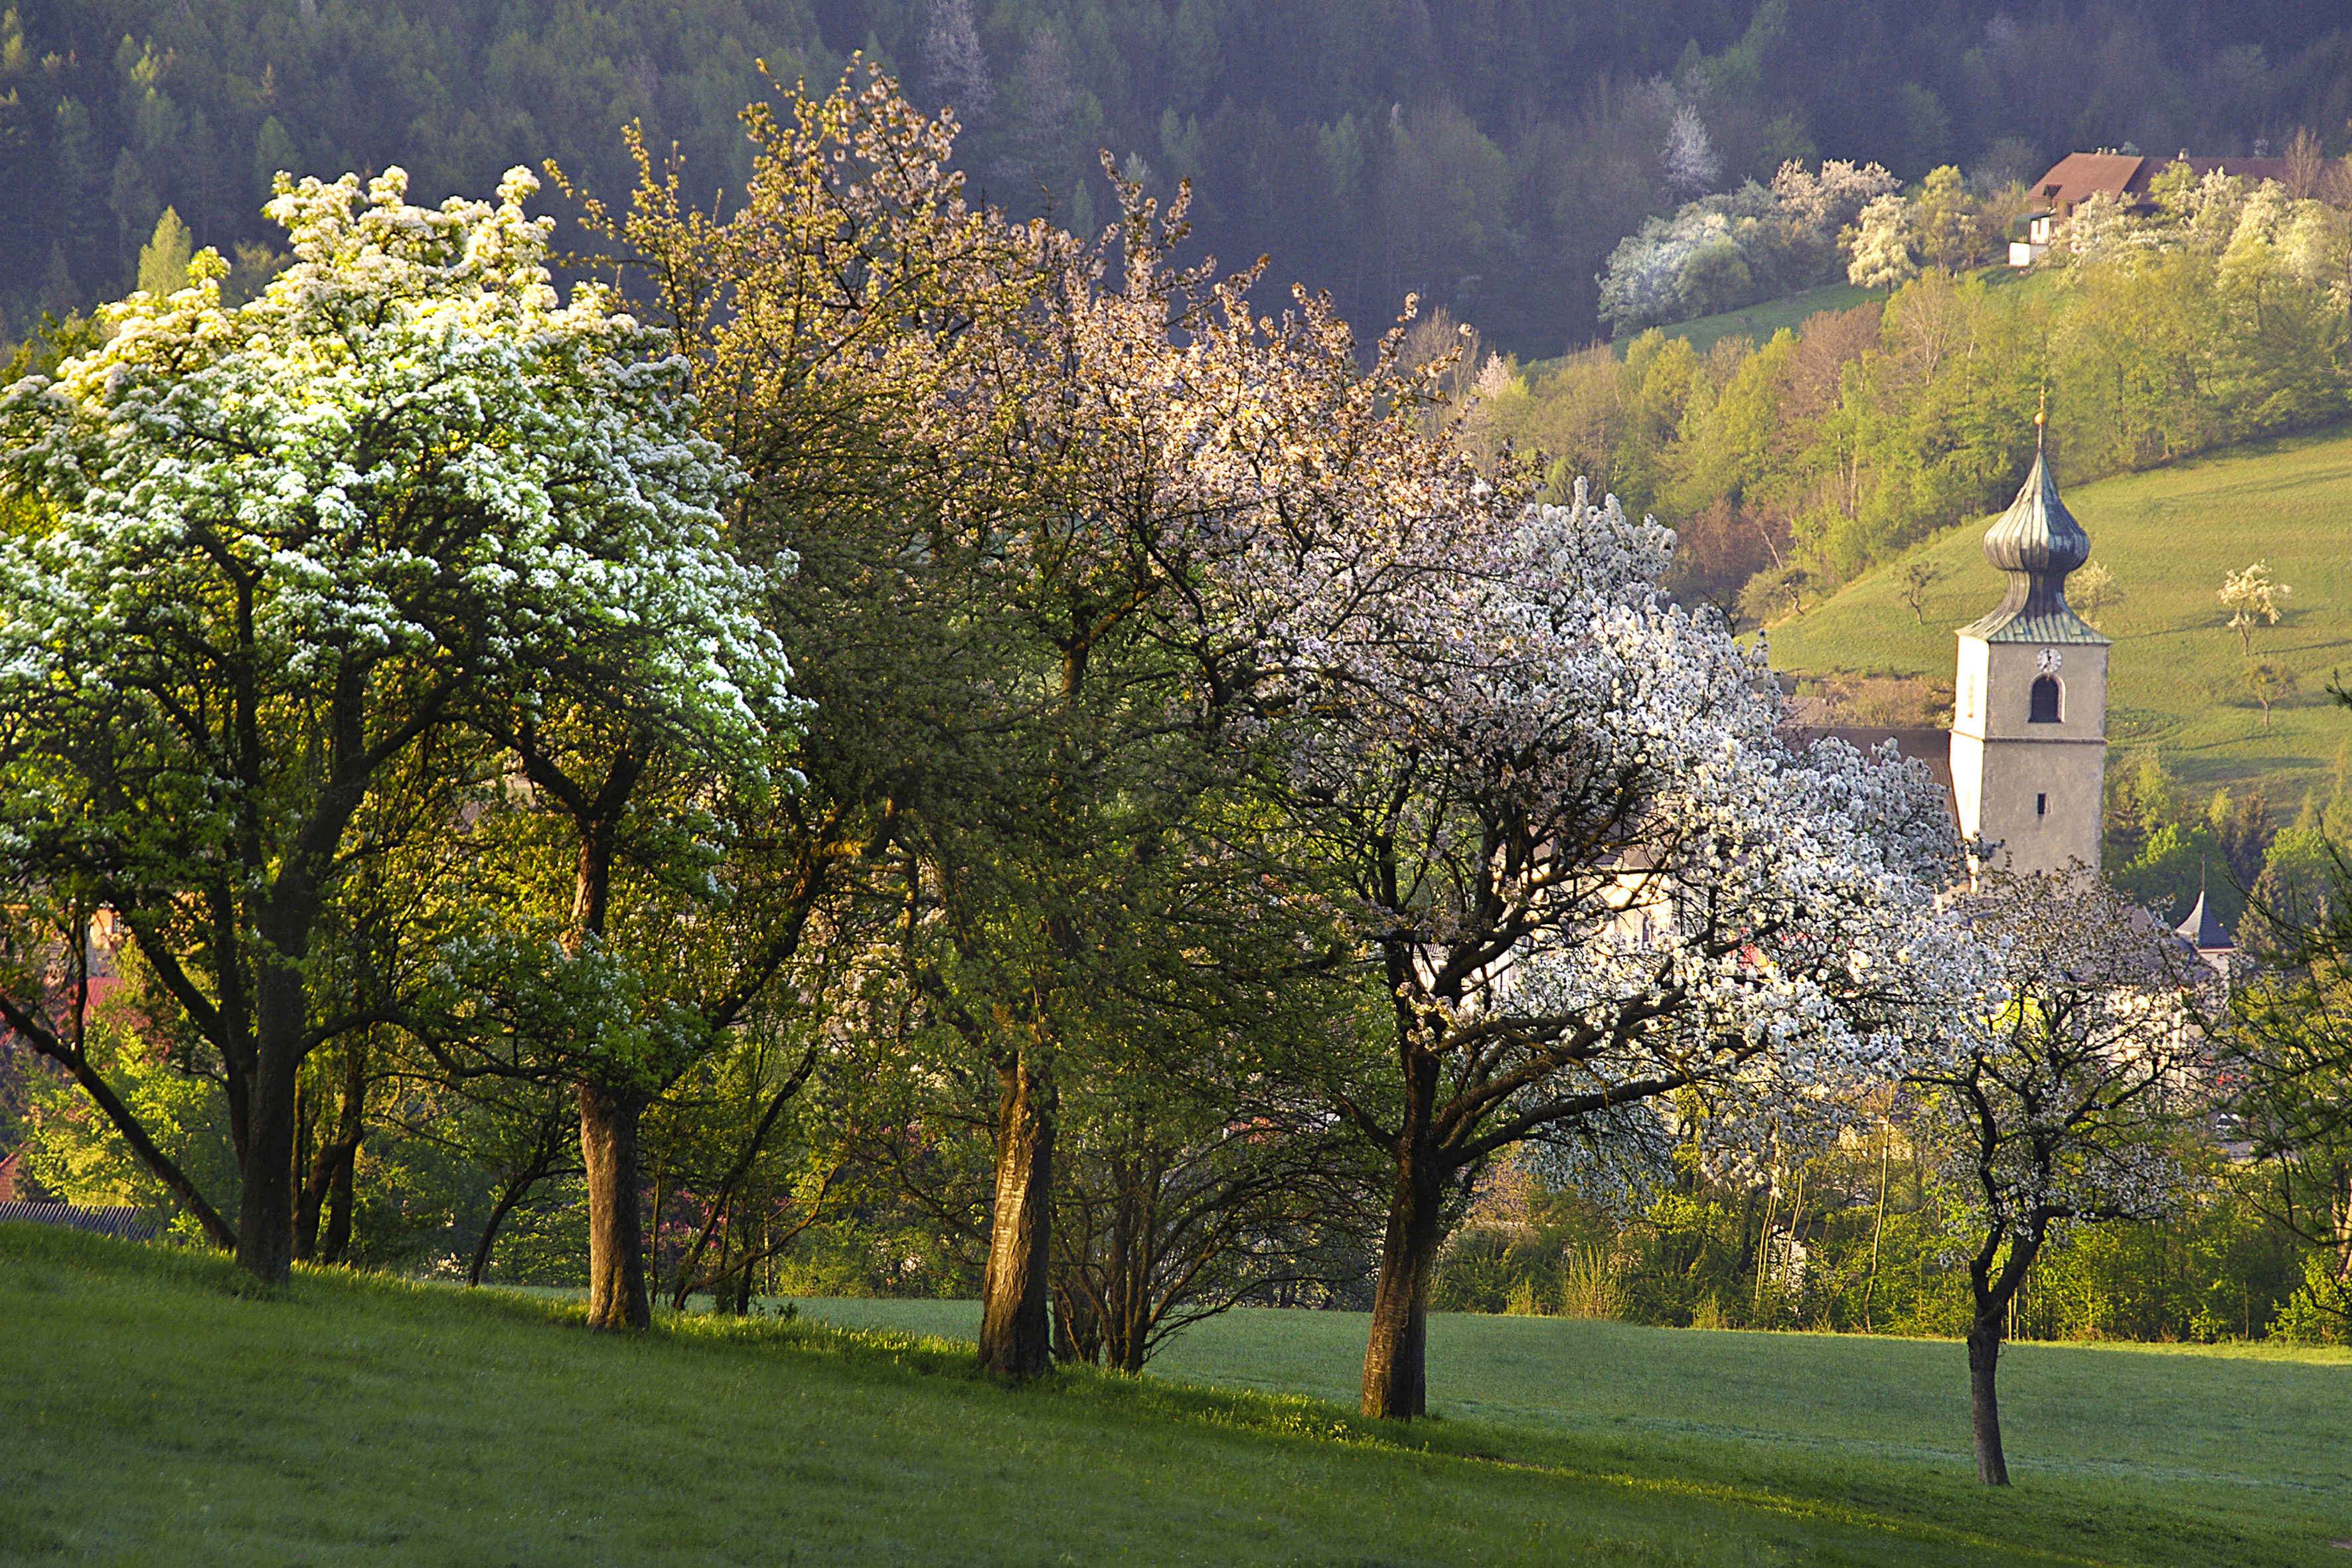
(2054,1112)
(1592,881)
(273,550)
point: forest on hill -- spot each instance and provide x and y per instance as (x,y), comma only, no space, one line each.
(1488,154)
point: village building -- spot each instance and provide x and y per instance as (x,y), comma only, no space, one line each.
(2025,763)
(2029,743)
(2124,175)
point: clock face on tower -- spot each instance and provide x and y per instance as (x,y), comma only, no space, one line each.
(2046,661)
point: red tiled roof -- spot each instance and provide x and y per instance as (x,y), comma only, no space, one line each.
(2079,176)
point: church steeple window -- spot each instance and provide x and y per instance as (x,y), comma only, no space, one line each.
(2045,701)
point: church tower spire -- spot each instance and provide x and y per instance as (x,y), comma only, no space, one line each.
(2030,725)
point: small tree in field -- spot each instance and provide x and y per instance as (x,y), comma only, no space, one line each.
(2253,599)
(2095,591)
(1918,577)
(2268,683)
(2055,1109)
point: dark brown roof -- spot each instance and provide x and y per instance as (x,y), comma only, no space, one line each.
(2078,177)
(2124,176)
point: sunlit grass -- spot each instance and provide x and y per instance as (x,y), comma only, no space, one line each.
(2176,673)
(2232,1428)
(161,1412)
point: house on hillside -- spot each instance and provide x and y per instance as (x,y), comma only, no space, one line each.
(2078,177)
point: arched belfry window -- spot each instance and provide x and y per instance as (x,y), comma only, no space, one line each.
(2045,701)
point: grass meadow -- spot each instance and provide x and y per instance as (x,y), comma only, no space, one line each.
(2175,675)
(160,1410)
(1758,322)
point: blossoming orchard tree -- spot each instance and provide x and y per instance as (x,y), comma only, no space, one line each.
(2055,1109)
(1591,879)
(1492,752)
(271,552)
(1076,528)
(867,344)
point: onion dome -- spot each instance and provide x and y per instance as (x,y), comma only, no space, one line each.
(2037,541)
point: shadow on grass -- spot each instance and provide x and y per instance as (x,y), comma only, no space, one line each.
(2042,1520)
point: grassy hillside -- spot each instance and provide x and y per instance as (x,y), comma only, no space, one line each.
(2176,677)
(159,1412)
(2236,1423)
(1758,322)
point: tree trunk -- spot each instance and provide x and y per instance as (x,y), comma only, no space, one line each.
(508,1196)
(1984,1403)
(328,1186)
(617,1296)
(337,1244)
(1016,1336)
(101,1093)
(1135,1236)
(1870,1287)
(1396,1381)
(310,1172)
(265,1221)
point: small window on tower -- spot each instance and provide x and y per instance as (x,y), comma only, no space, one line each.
(2045,701)
(2041,806)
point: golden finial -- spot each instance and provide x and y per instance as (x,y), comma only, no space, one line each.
(2041,417)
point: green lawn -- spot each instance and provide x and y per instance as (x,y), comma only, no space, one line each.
(2238,1427)
(1758,322)
(2263,1418)
(1755,322)
(159,1414)
(2176,673)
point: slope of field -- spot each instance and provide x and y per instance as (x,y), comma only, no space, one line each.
(2177,675)
(161,1412)
(1758,322)
(2241,1429)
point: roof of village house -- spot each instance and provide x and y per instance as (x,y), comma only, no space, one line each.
(2037,541)
(2078,177)
(2202,930)
(120,1221)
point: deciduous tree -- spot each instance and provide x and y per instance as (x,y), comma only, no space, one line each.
(2055,1109)
(273,550)
(2253,597)
(1588,877)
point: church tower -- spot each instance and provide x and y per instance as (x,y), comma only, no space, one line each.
(2030,725)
